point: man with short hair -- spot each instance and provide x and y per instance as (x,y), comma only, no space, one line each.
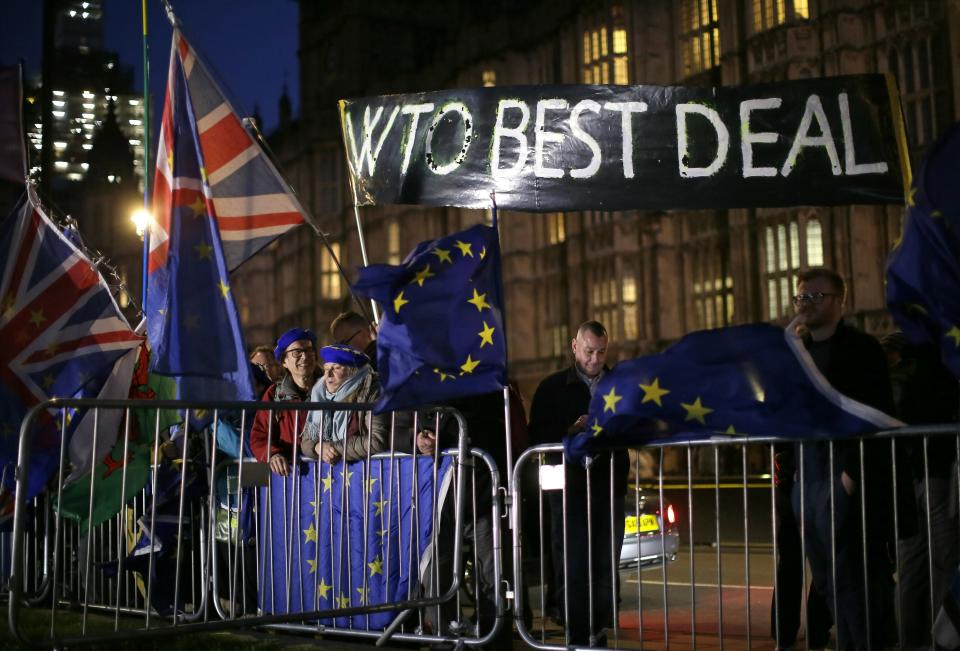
(262,356)
(559,409)
(352,329)
(856,366)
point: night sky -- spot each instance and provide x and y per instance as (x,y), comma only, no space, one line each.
(250,45)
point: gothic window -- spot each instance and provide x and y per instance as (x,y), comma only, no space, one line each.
(329,274)
(786,252)
(393,242)
(556,228)
(699,36)
(605,48)
(767,14)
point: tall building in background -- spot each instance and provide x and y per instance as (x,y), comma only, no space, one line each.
(649,276)
(84,79)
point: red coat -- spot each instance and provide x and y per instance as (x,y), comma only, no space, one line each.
(285,431)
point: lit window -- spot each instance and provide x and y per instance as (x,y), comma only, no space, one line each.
(699,36)
(135,123)
(556,227)
(767,14)
(605,49)
(59,102)
(88,95)
(393,242)
(787,253)
(134,142)
(814,243)
(89,105)
(58,93)
(329,274)
(61,164)
(84,166)
(133,102)
(87,116)
(87,146)
(58,114)
(489,78)
(59,144)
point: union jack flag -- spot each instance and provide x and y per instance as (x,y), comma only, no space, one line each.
(60,331)
(241,189)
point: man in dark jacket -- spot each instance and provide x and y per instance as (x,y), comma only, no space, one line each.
(559,409)
(855,364)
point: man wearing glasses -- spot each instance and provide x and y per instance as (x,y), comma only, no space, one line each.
(855,364)
(352,329)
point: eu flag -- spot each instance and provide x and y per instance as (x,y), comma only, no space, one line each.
(923,272)
(442,331)
(192,321)
(349,535)
(752,380)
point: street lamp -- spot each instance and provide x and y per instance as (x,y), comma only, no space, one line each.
(141,218)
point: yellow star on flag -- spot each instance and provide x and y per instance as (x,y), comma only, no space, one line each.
(376,567)
(483,253)
(399,302)
(653,392)
(442,254)
(732,431)
(378,506)
(199,207)
(610,400)
(370,482)
(343,601)
(444,376)
(347,478)
(364,594)
(422,276)
(224,289)
(954,333)
(480,301)
(203,251)
(596,428)
(323,588)
(469,365)
(314,505)
(383,532)
(313,566)
(486,335)
(310,534)
(327,482)
(37,317)
(464,248)
(696,411)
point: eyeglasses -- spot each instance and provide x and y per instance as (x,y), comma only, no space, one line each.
(300,353)
(816,298)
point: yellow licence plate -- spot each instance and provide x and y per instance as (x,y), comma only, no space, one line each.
(642,524)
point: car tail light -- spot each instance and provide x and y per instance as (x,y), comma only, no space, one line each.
(671,514)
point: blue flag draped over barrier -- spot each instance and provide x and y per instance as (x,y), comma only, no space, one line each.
(442,333)
(752,380)
(923,273)
(311,561)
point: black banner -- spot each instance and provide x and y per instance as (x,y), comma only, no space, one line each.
(550,148)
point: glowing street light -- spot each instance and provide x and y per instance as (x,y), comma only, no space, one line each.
(141,219)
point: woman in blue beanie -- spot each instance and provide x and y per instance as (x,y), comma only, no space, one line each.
(351,435)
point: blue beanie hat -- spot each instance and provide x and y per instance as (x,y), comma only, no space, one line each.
(290,336)
(343,355)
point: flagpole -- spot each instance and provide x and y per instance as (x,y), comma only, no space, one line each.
(146,156)
(363,256)
(254,129)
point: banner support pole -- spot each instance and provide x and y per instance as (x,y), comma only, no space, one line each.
(363,256)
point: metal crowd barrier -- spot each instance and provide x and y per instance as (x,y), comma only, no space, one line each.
(709,560)
(687,545)
(112,581)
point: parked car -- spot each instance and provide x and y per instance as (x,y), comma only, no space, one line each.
(647,541)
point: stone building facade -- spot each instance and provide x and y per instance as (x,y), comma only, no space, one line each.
(649,276)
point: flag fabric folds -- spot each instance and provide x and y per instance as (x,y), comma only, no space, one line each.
(316,553)
(752,380)
(442,333)
(60,332)
(211,180)
(242,191)
(923,272)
